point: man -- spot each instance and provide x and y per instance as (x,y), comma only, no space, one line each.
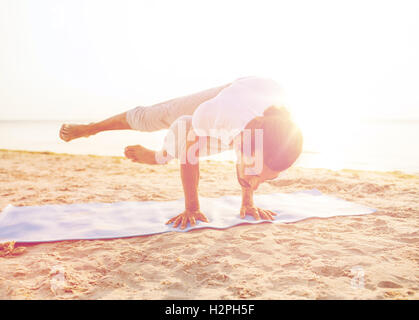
(244,115)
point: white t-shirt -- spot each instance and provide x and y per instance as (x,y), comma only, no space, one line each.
(227,114)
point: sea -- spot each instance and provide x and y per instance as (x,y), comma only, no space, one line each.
(373,144)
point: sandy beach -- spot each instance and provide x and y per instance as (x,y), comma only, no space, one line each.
(311,259)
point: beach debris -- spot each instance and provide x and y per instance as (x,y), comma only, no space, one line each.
(9,249)
(58,282)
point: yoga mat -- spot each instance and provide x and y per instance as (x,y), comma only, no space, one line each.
(127,219)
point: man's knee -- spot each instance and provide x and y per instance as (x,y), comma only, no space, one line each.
(147,119)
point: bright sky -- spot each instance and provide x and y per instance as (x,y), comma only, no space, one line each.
(90,59)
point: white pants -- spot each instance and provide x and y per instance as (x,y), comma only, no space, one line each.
(176,116)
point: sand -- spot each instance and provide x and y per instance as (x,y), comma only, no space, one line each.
(358,257)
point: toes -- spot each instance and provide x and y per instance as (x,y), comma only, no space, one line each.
(138,153)
(67,132)
(64,132)
(129,149)
(130,153)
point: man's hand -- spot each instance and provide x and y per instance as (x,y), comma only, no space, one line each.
(256,213)
(187,216)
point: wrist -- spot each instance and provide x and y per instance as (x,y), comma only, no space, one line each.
(247,197)
(247,204)
(192,206)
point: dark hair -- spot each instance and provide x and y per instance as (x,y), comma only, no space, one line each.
(282,139)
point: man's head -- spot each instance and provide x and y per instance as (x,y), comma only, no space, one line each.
(277,147)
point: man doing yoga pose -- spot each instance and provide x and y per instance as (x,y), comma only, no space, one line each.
(245,115)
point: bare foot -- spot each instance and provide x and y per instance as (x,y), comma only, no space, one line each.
(140,154)
(69,132)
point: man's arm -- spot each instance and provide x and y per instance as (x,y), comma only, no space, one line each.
(247,197)
(189,173)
